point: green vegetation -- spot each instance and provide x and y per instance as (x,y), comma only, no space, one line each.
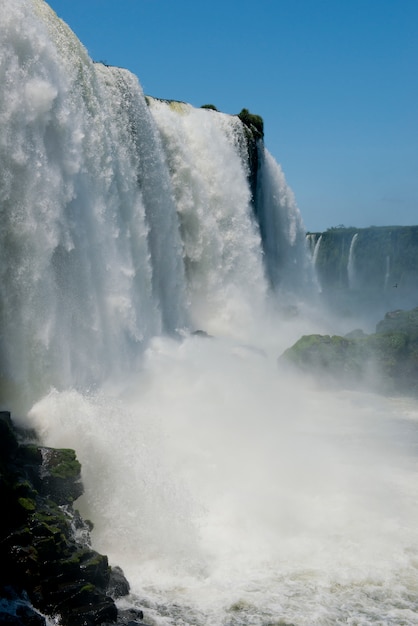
(27,503)
(212,107)
(63,464)
(386,361)
(254,122)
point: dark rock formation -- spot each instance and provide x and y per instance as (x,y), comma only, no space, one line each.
(385,361)
(383,256)
(254,133)
(381,274)
(43,564)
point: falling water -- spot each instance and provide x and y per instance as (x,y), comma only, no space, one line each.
(315,252)
(208,162)
(281,227)
(230,492)
(387,272)
(351,273)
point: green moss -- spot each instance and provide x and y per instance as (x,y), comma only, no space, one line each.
(65,465)
(24,489)
(54,518)
(212,107)
(387,361)
(27,503)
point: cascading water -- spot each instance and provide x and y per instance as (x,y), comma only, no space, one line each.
(208,161)
(387,272)
(351,268)
(229,492)
(315,244)
(281,229)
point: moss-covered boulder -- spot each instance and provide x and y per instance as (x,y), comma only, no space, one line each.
(45,553)
(386,361)
(61,474)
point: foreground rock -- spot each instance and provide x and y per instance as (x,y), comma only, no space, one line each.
(47,564)
(386,361)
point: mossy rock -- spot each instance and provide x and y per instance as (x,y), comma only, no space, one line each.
(27,503)
(38,549)
(400,322)
(386,361)
(323,351)
(61,463)
(61,475)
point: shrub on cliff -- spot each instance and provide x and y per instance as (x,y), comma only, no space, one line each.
(254,122)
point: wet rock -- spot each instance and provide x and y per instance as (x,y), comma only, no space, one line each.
(131,617)
(118,585)
(45,551)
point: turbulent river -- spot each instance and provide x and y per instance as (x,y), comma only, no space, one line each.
(232,495)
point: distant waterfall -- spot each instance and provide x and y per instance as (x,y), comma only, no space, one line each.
(387,272)
(316,250)
(314,261)
(351,269)
(310,239)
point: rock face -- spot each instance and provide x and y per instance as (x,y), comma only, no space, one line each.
(385,361)
(367,268)
(380,255)
(45,553)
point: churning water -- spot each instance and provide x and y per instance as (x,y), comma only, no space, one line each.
(231,492)
(232,495)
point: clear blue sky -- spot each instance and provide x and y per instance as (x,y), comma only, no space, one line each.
(336,82)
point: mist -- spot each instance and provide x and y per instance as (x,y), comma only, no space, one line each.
(222,484)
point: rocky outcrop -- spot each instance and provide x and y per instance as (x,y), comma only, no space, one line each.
(366,271)
(385,361)
(382,256)
(47,563)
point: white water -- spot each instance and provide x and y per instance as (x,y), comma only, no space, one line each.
(351,263)
(314,250)
(387,272)
(229,491)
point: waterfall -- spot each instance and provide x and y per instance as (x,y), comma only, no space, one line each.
(313,244)
(316,250)
(351,274)
(79,286)
(311,239)
(121,219)
(229,491)
(281,226)
(315,259)
(387,272)
(206,156)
